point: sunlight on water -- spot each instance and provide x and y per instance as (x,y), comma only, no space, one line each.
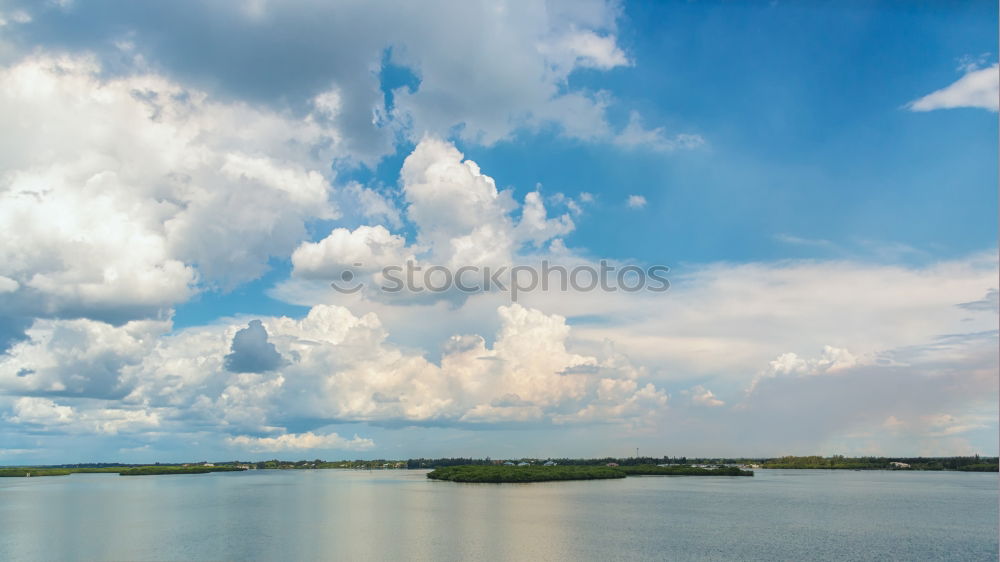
(357,515)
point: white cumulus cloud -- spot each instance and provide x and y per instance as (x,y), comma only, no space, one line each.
(120,197)
(299,442)
(978,88)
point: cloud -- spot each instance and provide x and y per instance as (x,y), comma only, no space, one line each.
(8,285)
(460,219)
(589,50)
(15,17)
(48,415)
(289,53)
(978,88)
(4,452)
(635,201)
(124,196)
(635,135)
(41,410)
(367,248)
(509,400)
(737,323)
(916,399)
(623,402)
(990,302)
(728,320)
(252,353)
(335,366)
(947,424)
(457,210)
(789,364)
(704,397)
(83,358)
(536,227)
(372,204)
(299,442)
(810,242)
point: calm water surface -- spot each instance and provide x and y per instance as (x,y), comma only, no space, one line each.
(352,515)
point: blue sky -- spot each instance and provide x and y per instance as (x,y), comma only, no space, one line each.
(820,178)
(807,133)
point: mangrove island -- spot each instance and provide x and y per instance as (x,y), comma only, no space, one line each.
(498,474)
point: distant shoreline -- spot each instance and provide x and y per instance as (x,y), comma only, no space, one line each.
(142,470)
(662,465)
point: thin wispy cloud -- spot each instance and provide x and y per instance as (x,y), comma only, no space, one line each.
(635,201)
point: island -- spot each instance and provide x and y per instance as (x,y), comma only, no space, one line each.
(498,474)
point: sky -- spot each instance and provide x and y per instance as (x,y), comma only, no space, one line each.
(180,184)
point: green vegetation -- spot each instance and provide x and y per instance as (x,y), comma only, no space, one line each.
(51,471)
(500,473)
(134,470)
(683,470)
(94,470)
(377,464)
(149,470)
(837,462)
(535,473)
(30,471)
(980,467)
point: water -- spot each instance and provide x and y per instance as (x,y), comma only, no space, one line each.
(400,515)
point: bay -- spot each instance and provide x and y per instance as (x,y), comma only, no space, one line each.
(401,515)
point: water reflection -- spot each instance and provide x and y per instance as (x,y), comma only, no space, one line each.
(400,515)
